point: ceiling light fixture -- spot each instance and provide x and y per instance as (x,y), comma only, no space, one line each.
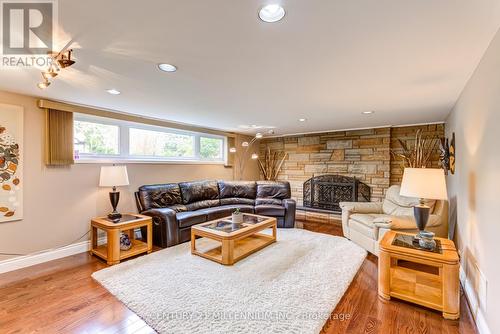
(271,13)
(113,91)
(255,156)
(58,61)
(258,135)
(369,112)
(167,67)
(49,74)
(302,119)
(64,59)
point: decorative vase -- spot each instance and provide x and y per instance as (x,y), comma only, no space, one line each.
(125,243)
(427,240)
(237,218)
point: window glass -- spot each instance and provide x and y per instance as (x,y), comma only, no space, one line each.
(211,148)
(161,144)
(96,139)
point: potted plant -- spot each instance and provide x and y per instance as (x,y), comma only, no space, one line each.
(237,217)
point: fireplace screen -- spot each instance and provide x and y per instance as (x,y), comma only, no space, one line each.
(327,191)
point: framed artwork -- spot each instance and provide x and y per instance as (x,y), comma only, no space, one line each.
(11,163)
(452,154)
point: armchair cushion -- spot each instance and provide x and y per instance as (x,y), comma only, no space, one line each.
(368,219)
(404,222)
(397,205)
(361,207)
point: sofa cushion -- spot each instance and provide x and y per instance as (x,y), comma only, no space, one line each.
(397,205)
(237,189)
(237,200)
(159,196)
(199,191)
(273,189)
(226,211)
(270,210)
(190,218)
(202,204)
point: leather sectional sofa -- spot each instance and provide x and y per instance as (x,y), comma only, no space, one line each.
(175,207)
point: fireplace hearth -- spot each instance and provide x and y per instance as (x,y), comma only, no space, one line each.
(325,192)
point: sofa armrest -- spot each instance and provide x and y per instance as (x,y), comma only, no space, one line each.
(165,227)
(404,222)
(361,207)
(290,206)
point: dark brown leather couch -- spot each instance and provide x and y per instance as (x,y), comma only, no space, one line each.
(175,207)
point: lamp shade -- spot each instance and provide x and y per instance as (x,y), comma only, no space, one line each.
(427,183)
(113,176)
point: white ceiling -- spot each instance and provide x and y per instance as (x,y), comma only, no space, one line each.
(327,60)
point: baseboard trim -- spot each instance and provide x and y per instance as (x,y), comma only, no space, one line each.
(24,261)
(477,313)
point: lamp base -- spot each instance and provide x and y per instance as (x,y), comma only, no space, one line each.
(421,213)
(115,216)
(114,197)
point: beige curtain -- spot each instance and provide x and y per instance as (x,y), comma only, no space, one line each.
(59,138)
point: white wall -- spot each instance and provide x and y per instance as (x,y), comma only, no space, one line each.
(59,201)
(475,188)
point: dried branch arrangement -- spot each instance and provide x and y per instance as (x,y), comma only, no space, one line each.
(418,155)
(270,165)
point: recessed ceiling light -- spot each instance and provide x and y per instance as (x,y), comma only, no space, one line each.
(369,112)
(271,13)
(302,119)
(113,91)
(167,67)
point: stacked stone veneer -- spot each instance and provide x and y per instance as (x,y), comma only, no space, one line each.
(364,154)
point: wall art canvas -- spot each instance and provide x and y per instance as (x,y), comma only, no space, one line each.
(11,163)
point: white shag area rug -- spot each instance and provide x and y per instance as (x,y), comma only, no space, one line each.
(291,286)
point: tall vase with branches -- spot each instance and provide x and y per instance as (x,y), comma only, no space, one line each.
(270,165)
(419,154)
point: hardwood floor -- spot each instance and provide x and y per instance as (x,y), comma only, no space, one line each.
(61,297)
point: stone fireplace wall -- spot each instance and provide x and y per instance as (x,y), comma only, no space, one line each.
(364,154)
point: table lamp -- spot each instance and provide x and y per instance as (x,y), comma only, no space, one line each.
(423,183)
(114,176)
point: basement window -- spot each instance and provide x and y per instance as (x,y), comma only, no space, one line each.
(105,140)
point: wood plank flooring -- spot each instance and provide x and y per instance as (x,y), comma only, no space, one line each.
(61,297)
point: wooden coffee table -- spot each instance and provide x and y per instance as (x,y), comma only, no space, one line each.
(226,243)
(422,277)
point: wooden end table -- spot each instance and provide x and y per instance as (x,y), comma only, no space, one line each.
(422,277)
(111,251)
(227,244)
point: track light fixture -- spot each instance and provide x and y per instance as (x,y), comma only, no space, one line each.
(49,74)
(64,59)
(44,84)
(60,60)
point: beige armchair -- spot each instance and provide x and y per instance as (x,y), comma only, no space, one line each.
(365,223)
